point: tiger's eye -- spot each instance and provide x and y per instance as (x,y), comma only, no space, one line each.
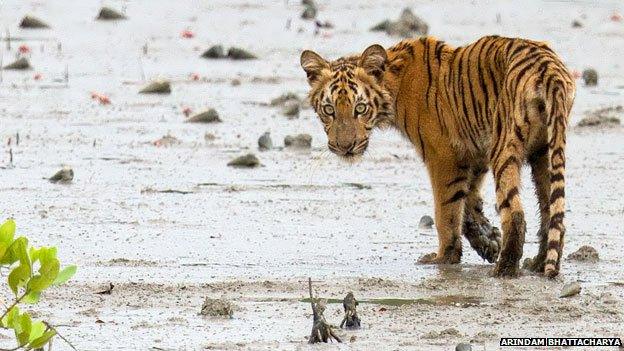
(360,108)
(328,109)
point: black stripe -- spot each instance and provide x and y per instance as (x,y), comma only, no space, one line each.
(457,180)
(510,195)
(460,194)
(556,194)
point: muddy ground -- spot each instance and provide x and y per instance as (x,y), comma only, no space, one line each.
(253,236)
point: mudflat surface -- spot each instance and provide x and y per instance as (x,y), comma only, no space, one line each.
(253,236)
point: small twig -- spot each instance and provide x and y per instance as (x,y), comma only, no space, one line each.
(17,301)
(60,335)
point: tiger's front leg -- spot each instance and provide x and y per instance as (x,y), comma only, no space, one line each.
(450,188)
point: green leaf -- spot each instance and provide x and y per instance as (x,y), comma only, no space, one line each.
(16,252)
(25,326)
(36,330)
(65,275)
(10,317)
(32,297)
(18,277)
(3,249)
(7,231)
(47,275)
(42,340)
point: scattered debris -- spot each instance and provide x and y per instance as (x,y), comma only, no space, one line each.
(166,141)
(214,52)
(590,77)
(426,222)
(358,186)
(107,13)
(463,346)
(20,64)
(264,142)
(157,87)
(235,82)
(577,24)
(186,111)
(209,116)
(24,49)
(101,98)
(246,161)
(284,98)
(33,22)
(291,109)
(603,117)
(299,141)
(310,11)
(585,253)
(351,319)
(570,289)
(187,34)
(107,290)
(149,190)
(65,175)
(408,25)
(217,308)
(240,54)
(321,330)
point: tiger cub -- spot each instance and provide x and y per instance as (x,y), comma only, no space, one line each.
(497,103)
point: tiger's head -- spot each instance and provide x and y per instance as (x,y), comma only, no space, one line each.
(349,97)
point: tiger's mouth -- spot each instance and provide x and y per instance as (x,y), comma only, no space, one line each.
(353,152)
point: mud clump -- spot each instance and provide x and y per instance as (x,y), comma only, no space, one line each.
(310,11)
(570,289)
(285,98)
(21,64)
(426,222)
(217,308)
(264,142)
(246,161)
(209,116)
(291,109)
(590,77)
(585,253)
(240,54)
(33,23)
(605,117)
(214,52)
(463,346)
(109,14)
(157,87)
(64,176)
(408,25)
(299,141)
(446,333)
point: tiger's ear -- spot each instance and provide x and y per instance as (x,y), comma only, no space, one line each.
(373,61)
(312,63)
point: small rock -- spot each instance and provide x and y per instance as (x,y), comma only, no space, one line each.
(166,141)
(291,109)
(585,253)
(65,175)
(209,137)
(264,142)
(245,161)
(217,308)
(210,116)
(107,13)
(214,52)
(157,87)
(446,333)
(300,141)
(570,289)
(577,24)
(309,12)
(284,98)
(21,64)
(604,117)
(426,222)
(235,82)
(33,22)
(463,346)
(240,54)
(408,25)
(590,77)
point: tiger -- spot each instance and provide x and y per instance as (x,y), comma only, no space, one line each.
(498,103)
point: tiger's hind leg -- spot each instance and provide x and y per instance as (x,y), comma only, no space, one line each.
(540,167)
(482,236)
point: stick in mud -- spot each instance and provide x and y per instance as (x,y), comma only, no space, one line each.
(321,330)
(351,319)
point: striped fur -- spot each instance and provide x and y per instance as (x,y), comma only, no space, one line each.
(495,104)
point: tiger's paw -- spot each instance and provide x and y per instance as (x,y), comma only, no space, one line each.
(505,269)
(535,264)
(433,258)
(483,237)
